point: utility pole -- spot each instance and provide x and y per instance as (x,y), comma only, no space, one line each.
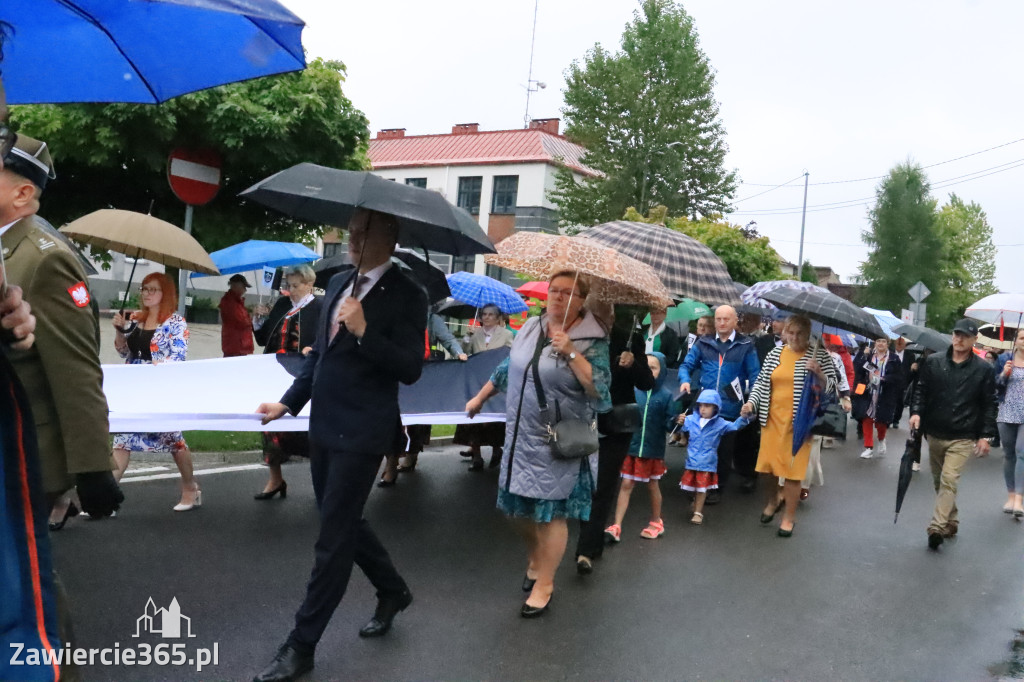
(803,223)
(532,85)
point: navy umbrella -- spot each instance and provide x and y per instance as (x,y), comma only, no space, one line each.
(149,51)
(328,196)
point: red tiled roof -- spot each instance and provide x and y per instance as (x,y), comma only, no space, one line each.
(487,147)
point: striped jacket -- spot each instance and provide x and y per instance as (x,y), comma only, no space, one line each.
(761,396)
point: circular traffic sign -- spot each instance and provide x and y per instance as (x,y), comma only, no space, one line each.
(194,174)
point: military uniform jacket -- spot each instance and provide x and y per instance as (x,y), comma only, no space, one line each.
(61,372)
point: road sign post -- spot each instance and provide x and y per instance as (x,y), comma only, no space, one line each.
(918,293)
(195,178)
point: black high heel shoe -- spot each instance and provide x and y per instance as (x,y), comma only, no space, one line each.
(528,583)
(269,495)
(535,611)
(767,518)
(72,510)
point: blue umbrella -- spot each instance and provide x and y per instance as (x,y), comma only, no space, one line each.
(813,402)
(479,290)
(887,320)
(256,255)
(143,52)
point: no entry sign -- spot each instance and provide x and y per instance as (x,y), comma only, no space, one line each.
(194,175)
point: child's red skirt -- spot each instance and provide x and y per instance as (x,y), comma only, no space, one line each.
(699,481)
(643,469)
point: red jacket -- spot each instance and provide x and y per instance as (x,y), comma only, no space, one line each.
(236,326)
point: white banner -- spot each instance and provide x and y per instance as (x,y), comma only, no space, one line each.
(215,395)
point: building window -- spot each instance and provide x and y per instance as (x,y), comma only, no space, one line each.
(469,194)
(332,249)
(417,182)
(463,263)
(505,194)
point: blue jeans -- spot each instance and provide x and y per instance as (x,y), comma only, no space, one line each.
(1012,437)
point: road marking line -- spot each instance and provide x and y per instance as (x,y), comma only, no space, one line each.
(203,472)
(144,470)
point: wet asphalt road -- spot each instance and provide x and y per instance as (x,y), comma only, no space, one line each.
(850,597)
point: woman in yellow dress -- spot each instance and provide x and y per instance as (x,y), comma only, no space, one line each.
(775,398)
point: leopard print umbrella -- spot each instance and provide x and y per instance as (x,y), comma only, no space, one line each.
(614,278)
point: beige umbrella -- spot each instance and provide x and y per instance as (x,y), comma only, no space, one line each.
(615,278)
(141,236)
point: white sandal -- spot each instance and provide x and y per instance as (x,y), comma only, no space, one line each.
(697,519)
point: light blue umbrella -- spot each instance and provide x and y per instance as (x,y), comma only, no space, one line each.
(256,255)
(144,52)
(479,290)
(887,320)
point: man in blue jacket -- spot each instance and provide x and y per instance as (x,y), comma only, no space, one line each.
(728,363)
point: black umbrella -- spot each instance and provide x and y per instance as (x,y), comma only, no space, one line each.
(329,196)
(431,277)
(457,309)
(923,336)
(911,454)
(827,308)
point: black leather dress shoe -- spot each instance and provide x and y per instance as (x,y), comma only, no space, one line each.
(289,664)
(535,611)
(387,608)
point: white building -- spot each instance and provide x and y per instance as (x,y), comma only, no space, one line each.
(502,177)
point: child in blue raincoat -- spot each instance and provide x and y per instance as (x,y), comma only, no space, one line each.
(646,459)
(706,428)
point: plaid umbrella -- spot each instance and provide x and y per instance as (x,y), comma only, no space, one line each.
(479,290)
(686,267)
(753,295)
(827,308)
(615,278)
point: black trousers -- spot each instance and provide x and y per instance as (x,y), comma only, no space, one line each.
(342,482)
(610,455)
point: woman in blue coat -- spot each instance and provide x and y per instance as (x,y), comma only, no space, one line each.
(706,428)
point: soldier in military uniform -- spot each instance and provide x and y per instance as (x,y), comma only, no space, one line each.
(61,373)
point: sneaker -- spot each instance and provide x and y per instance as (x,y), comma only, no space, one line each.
(881,448)
(934,540)
(867,454)
(613,533)
(915,466)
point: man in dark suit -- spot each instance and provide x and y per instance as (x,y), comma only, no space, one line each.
(369,339)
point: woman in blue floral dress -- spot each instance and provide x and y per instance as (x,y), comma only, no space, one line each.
(154,335)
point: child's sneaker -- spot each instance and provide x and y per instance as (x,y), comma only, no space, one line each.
(653,530)
(613,533)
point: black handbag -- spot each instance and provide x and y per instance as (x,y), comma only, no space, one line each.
(569,438)
(625,418)
(831,424)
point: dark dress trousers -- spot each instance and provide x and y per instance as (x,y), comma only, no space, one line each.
(354,421)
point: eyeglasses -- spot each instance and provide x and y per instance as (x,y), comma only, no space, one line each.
(7,139)
(562,292)
(149,290)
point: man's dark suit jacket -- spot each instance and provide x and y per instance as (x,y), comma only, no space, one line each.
(353,383)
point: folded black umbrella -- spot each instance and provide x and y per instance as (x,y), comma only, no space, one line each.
(328,196)
(827,308)
(911,453)
(925,337)
(428,275)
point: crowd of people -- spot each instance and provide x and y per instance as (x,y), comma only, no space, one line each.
(593,400)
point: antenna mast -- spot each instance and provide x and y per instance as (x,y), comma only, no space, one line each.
(530,85)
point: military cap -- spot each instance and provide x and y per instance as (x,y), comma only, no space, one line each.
(30,158)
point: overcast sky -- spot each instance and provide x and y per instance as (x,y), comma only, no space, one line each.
(843,91)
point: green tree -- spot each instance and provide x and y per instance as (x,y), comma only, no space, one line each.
(808,273)
(969,264)
(748,259)
(115,155)
(649,122)
(905,243)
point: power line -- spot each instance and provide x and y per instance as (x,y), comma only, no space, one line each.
(770,190)
(879,177)
(850,203)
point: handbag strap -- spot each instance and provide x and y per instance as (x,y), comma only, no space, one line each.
(542,401)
